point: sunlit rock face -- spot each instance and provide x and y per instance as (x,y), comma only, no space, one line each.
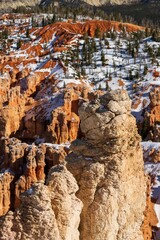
(46,212)
(108,167)
(97,192)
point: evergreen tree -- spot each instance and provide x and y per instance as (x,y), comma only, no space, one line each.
(5,34)
(158,52)
(130,75)
(93,46)
(53,18)
(97,33)
(64,85)
(113,35)
(19,44)
(43,22)
(89,58)
(110,77)
(86,38)
(147,33)
(150,51)
(100,87)
(129,48)
(145,70)
(103,58)
(27,33)
(83,72)
(107,86)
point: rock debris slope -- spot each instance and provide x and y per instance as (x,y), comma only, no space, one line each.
(100,193)
(108,166)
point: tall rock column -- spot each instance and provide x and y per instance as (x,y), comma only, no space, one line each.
(108,167)
(46,212)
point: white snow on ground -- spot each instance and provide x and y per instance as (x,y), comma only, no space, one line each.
(148,145)
(58,146)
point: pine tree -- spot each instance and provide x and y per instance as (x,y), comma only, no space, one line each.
(130,75)
(129,48)
(19,44)
(5,34)
(86,38)
(113,35)
(147,32)
(107,86)
(97,33)
(150,51)
(43,22)
(27,33)
(64,85)
(103,58)
(93,46)
(114,65)
(100,87)
(83,72)
(158,52)
(53,18)
(110,77)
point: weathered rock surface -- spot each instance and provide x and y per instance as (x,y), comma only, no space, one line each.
(49,212)
(108,166)
(25,165)
(152,116)
(103,194)
(66,206)
(150,218)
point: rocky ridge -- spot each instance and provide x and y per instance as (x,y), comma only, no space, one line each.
(112,2)
(18,3)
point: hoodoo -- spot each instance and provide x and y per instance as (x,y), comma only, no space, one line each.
(108,167)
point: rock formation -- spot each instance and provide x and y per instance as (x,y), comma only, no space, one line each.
(108,167)
(150,218)
(104,175)
(114,2)
(154,115)
(150,128)
(47,212)
(25,165)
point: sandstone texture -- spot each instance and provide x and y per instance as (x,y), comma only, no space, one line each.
(97,191)
(150,128)
(50,212)
(25,165)
(108,167)
(150,218)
